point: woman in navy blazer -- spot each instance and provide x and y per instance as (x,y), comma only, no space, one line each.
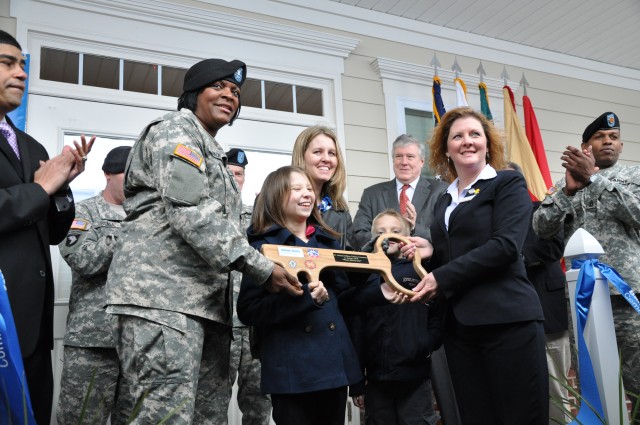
(494,338)
(308,359)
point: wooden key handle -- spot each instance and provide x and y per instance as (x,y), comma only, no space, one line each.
(311,261)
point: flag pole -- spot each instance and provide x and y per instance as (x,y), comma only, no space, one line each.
(524,84)
(461,87)
(436,64)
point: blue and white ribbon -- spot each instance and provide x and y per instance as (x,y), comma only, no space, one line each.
(591,412)
(15,403)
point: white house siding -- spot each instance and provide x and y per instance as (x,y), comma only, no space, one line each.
(564,107)
(567,93)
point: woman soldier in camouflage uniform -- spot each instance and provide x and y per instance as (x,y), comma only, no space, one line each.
(169,282)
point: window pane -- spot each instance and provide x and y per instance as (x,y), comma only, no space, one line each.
(59,65)
(172,81)
(140,77)
(259,166)
(101,71)
(92,180)
(251,93)
(278,96)
(420,124)
(309,100)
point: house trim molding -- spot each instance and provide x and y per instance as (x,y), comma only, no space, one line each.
(166,13)
(371,23)
(423,75)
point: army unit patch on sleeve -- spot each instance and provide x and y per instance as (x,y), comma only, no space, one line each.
(182,151)
(72,239)
(78,224)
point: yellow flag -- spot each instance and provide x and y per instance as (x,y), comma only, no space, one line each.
(519,150)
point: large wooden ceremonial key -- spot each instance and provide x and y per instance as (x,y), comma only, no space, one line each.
(311,261)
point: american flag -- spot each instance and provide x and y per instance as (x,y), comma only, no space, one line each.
(184,152)
(78,224)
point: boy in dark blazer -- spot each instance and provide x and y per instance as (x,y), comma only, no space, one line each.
(394,345)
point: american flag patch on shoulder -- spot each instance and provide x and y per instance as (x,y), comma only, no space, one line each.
(181,151)
(78,224)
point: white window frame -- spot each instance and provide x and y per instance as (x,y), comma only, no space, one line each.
(403,104)
(84,92)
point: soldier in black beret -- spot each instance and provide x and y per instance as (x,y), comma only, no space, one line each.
(602,138)
(244,368)
(236,161)
(602,196)
(206,72)
(88,341)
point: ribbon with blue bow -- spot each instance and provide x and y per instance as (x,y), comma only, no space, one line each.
(591,411)
(325,204)
(15,403)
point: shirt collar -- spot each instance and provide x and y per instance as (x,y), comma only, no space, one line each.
(413,184)
(487,173)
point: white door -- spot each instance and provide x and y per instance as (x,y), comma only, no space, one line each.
(55,121)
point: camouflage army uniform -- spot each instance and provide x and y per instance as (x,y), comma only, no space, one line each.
(89,347)
(169,283)
(609,209)
(255,406)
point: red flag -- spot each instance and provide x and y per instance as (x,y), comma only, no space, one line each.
(511,97)
(535,140)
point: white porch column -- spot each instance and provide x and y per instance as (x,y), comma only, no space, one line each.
(599,333)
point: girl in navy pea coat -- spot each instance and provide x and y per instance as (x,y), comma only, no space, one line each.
(308,359)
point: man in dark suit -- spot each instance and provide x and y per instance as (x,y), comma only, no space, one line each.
(36,210)
(408,158)
(542,260)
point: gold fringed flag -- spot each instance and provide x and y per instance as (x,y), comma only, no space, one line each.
(461,92)
(438,105)
(519,150)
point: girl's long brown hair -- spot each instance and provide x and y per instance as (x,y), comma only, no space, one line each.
(269,207)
